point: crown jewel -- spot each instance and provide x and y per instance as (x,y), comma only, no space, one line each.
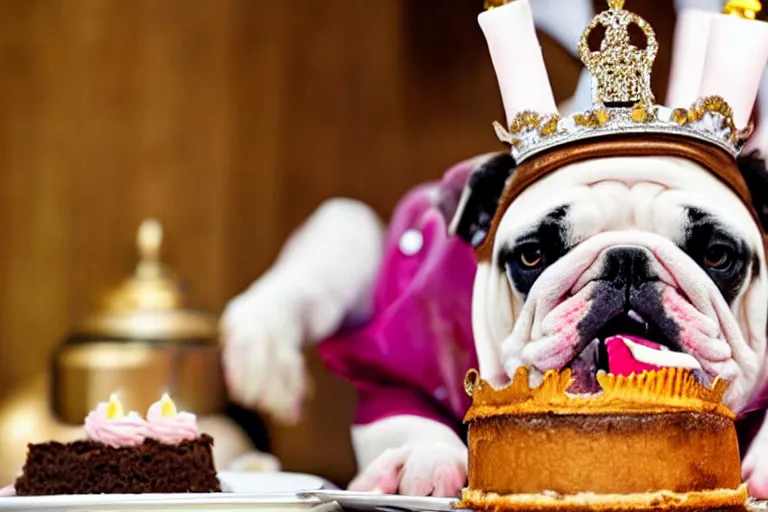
(621,72)
(622,98)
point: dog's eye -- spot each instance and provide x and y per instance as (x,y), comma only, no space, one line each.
(531,256)
(719,257)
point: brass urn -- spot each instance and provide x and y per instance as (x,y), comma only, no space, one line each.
(144,341)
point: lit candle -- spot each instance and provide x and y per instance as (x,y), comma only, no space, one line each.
(167,406)
(114,407)
(169,425)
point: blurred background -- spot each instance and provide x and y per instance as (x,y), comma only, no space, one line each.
(229,121)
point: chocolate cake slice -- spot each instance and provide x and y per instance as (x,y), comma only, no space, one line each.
(91,467)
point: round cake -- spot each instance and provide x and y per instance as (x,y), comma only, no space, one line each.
(654,441)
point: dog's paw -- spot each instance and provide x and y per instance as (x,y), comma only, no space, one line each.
(262,335)
(755,466)
(758,477)
(431,469)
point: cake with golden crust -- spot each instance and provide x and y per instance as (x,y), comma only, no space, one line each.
(654,441)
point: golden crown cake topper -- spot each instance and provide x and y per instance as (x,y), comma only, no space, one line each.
(623,102)
(655,391)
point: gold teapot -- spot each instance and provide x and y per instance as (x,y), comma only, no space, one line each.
(144,341)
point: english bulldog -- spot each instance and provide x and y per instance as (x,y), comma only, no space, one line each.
(618,264)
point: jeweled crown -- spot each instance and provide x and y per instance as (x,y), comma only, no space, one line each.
(622,98)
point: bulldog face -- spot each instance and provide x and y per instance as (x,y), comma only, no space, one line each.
(619,265)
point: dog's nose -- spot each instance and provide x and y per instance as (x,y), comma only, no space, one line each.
(627,267)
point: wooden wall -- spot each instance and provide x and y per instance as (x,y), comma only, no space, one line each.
(229,120)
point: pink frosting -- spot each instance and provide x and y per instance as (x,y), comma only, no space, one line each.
(130,430)
(171,429)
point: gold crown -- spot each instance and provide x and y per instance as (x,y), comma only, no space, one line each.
(622,97)
(649,392)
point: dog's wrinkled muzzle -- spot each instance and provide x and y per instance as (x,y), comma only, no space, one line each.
(624,302)
(626,329)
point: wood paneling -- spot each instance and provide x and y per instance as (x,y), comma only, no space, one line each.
(229,120)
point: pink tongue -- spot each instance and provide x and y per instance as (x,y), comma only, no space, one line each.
(620,360)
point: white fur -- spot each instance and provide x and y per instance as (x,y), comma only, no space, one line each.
(323,276)
(633,201)
(720,347)
(487,346)
(410,455)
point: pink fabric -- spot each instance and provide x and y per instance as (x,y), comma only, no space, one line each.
(411,357)
(620,358)
(751,419)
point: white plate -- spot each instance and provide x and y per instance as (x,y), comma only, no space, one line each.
(270,483)
(243,491)
(384,502)
(367,501)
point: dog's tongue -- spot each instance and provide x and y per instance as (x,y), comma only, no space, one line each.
(621,360)
(632,354)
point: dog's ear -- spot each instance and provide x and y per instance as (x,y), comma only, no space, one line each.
(481,196)
(753,168)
